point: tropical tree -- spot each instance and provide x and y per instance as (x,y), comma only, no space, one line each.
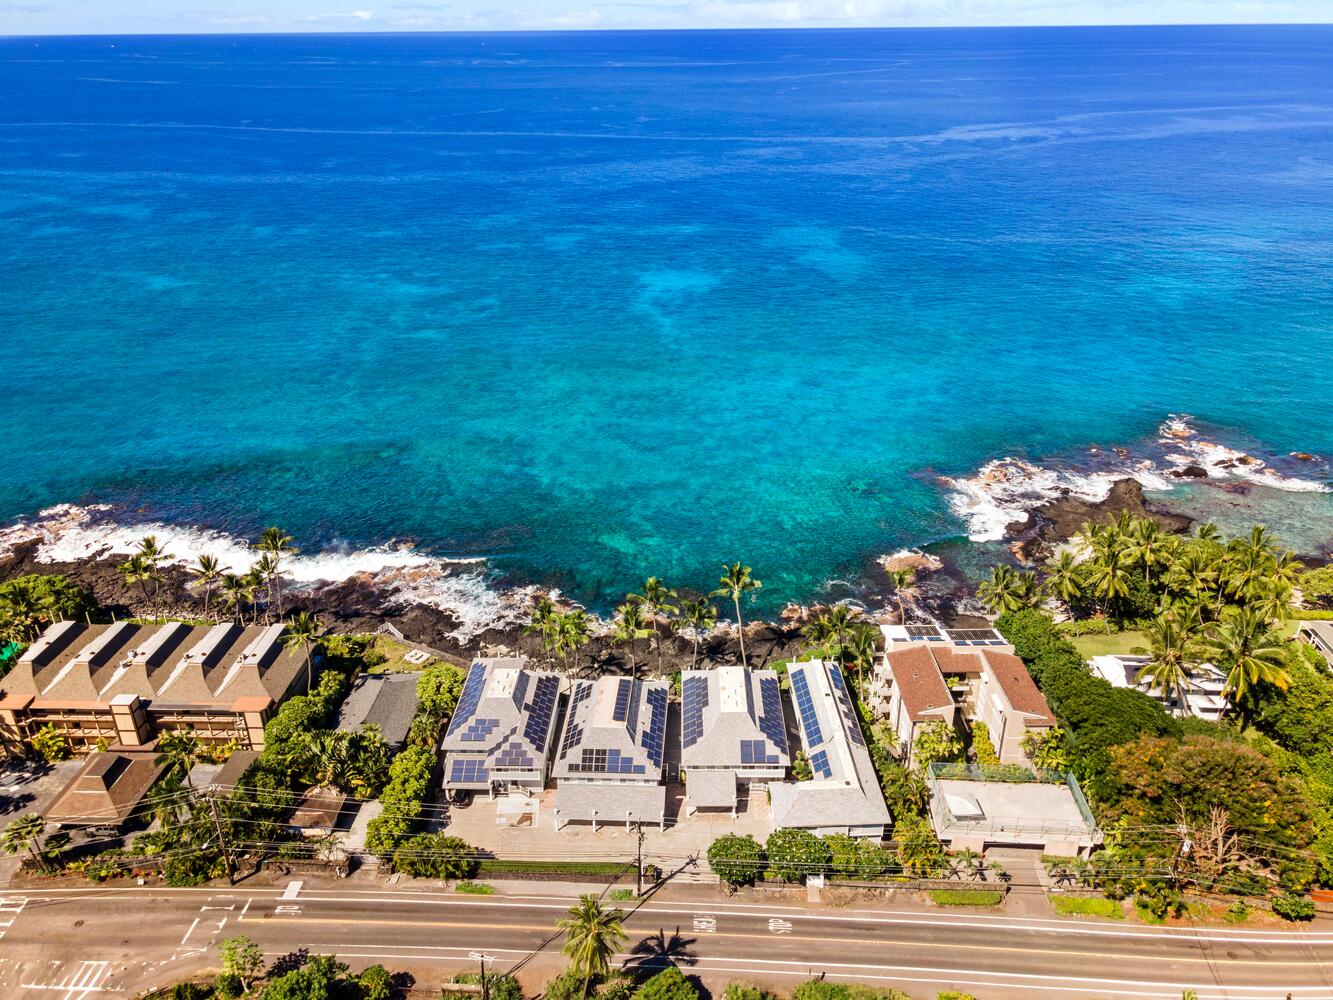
(698,614)
(1007,590)
(178,752)
(545,624)
(1248,652)
(656,597)
(254,579)
(1149,545)
(592,937)
(302,633)
(234,590)
(154,556)
(1048,750)
(736,581)
(265,571)
(862,647)
(937,741)
(1110,577)
(1170,645)
(328,754)
(242,958)
(207,571)
(276,543)
(21,611)
(25,834)
(736,860)
(903,581)
(1063,580)
(574,629)
(629,628)
(136,569)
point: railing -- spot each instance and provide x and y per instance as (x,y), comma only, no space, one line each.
(1015,825)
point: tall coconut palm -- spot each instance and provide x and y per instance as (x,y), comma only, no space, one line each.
(1170,648)
(25,834)
(818,632)
(842,619)
(303,633)
(233,593)
(207,571)
(154,555)
(1208,532)
(276,543)
(254,579)
(903,580)
(266,571)
(545,624)
(136,569)
(1149,546)
(1006,590)
(629,627)
(656,597)
(862,647)
(1063,580)
(736,581)
(698,614)
(178,752)
(1110,578)
(572,630)
(592,937)
(1248,652)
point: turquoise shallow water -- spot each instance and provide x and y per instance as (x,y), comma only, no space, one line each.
(603,305)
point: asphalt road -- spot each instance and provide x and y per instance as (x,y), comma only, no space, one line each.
(81,944)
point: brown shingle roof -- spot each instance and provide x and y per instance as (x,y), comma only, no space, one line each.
(106,790)
(919,683)
(1018,687)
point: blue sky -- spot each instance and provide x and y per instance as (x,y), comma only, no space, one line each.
(150,16)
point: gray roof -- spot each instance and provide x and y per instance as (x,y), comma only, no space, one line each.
(845,790)
(611,802)
(710,789)
(172,663)
(385,700)
(732,717)
(615,729)
(504,721)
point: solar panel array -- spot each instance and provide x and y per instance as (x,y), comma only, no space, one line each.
(654,737)
(976,637)
(756,752)
(819,764)
(513,754)
(771,722)
(479,730)
(845,706)
(573,729)
(597,761)
(924,632)
(805,705)
(468,769)
(541,710)
(469,698)
(623,691)
(693,701)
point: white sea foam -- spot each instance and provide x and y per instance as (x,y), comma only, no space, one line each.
(1006,490)
(68,533)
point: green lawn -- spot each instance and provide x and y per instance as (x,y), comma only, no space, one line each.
(1104,645)
(394,651)
(1087,906)
(966,897)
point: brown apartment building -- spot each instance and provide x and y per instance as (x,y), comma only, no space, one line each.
(126,684)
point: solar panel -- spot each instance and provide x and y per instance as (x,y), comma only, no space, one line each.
(819,764)
(513,755)
(470,769)
(621,710)
(756,752)
(541,710)
(845,706)
(654,737)
(521,689)
(771,722)
(573,728)
(693,701)
(632,716)
(805,705)
(976,636)
(479,730)
(469,699)
(923,631)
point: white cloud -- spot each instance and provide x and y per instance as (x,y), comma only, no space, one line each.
(353,15)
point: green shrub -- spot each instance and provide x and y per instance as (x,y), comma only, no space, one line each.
(746,991)
(669,984)
(981,744)
(1087,906)
(1290,906)
(51,744)
(953,995)
(498,985)
(566,986)
(794,854)
(475,889)
(822,989)
(501,866)
(966,897)
(435,855)
(736,860)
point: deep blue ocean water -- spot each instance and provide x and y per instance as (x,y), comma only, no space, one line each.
(603,305)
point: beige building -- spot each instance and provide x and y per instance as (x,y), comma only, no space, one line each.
(930,674)
(125,684)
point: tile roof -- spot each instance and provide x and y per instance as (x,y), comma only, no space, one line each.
(917,677)
(1019,688)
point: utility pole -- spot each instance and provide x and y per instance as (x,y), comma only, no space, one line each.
(639,881)
(482,958)
(222,840)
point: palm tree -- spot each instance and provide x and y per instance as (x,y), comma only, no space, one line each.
(1063,580)
(266,570)
(136,569)
(207,571)
(302,633)
(1170,643)
(593,935)
(252,581)
(25,834)
(736,580)
(21,611)
(1208,532)
(178,752)
(233,592)
(629,628)
(656,597)
(328,753)
(1249,653)
(698,615)
(154,556)
(818,632)
(545,623)
(1149,546)
(903,581)
(276,543)
(1006,590)
(863,646)
(1110,578)
(573,630)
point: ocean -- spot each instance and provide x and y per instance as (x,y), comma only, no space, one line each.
(576,308)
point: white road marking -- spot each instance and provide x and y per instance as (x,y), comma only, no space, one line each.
(246,909)
(189,932)
(90,978)
(292,889)
(14,905)
(705,924)
(779,926)
(289,909)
